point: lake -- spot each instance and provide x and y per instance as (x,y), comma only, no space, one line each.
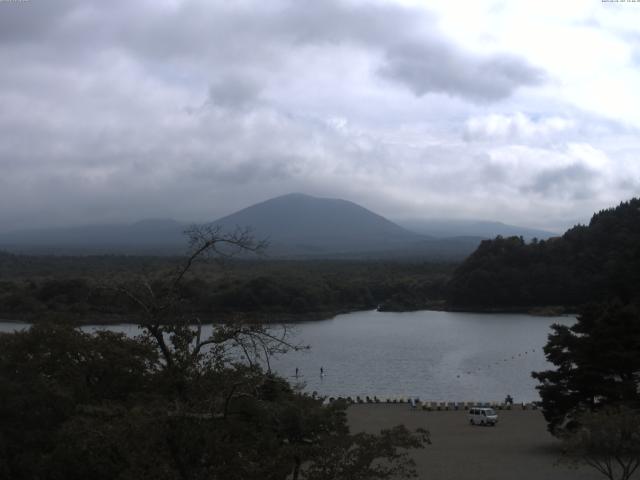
(437,356)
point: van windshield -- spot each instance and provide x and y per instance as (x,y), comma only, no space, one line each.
(490,411)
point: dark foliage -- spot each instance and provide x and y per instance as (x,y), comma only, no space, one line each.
(48,375)
(36,288)
(608,441)
(588,263)
(597,364)
(77,406)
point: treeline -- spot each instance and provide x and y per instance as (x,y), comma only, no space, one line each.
(588,263)
(87,288)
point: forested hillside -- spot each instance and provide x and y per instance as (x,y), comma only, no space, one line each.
(588,263)
(35,288)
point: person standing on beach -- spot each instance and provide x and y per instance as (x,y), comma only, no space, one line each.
(321,372)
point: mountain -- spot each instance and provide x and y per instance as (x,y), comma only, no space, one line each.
(302,224)
(588,263)
(295,225)
(442,228)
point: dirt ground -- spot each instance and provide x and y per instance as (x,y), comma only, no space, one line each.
(519,447)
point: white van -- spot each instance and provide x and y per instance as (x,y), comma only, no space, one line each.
(483,416)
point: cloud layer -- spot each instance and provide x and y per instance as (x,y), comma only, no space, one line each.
(116,111)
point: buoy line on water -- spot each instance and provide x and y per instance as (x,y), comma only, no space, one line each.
(491,365)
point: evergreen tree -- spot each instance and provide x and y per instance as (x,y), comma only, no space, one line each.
(588,263)
(597,364)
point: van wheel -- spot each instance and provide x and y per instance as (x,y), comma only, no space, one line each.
(471,422)
(482,422)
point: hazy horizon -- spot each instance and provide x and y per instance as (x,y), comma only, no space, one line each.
(518,112)
(407,222)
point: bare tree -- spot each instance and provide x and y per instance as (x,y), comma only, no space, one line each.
(608,441)
(177,332)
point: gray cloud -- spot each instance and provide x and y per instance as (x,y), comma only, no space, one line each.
(31,22)
(102,114)
(424,63)
(228,36)
(250,31)
(437,67)
(573,180)
(234,91)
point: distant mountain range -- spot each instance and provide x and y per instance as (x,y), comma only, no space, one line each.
(296,225)
(442,228)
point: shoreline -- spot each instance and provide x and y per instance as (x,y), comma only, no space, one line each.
(534,311)
(221,318)
(293,318)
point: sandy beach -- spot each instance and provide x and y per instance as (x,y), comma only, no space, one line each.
(519,447)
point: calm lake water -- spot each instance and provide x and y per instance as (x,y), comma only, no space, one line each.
(437,356)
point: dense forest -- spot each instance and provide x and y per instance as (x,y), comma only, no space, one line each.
(588,263)
(34,288)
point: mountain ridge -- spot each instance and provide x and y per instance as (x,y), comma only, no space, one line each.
(297,225)
(304,222)
(444,227)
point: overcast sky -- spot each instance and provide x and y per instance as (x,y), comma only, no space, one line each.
(527,112)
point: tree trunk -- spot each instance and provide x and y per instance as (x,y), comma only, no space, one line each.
(296,467)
